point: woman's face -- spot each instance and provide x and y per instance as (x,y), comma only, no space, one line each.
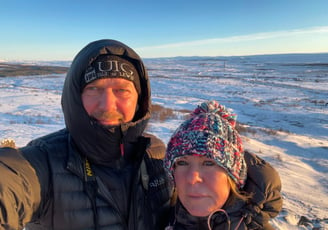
(201,184)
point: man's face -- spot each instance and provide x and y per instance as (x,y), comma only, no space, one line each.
(111,101)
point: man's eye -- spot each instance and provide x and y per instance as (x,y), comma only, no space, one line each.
(91,90)
(121,90)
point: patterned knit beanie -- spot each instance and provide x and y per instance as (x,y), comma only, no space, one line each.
(210,132)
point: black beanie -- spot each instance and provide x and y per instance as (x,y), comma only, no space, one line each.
(111,66)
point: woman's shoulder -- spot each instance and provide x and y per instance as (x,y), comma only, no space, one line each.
(261,172)
(263,182)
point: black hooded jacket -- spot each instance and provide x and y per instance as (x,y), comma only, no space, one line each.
(84,131)
(77,178)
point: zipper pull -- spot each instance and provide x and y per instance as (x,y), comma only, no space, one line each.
(122,149)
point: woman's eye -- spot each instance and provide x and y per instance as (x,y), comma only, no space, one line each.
(181,163)
(208,163)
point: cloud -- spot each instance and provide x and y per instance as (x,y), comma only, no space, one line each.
(241,38)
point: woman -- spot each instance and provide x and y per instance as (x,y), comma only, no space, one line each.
(206,161)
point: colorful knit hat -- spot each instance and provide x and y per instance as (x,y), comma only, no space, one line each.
(210,132)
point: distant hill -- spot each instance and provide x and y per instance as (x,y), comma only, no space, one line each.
(10,70)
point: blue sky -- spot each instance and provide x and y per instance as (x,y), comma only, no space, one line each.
(57,30)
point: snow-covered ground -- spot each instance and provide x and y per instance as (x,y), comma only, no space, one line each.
(281,99)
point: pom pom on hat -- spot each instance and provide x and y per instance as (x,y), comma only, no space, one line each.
(209,132)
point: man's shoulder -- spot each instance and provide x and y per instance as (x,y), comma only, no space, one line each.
(51,143)
(57,137)
(156,148)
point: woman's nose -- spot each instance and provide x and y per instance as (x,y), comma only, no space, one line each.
(194,176)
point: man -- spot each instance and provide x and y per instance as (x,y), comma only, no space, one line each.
(101,171)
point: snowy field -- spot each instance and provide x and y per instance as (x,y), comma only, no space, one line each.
(282,100)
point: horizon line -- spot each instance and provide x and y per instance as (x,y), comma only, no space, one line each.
(178,56)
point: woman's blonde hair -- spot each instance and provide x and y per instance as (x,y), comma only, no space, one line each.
(235,193)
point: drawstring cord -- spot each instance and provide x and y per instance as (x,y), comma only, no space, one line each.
(239,223)
(228,219)
(170,227)
(210,217)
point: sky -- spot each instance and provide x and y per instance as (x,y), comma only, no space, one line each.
(57,30)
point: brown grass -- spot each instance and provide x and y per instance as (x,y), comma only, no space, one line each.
(160,113)
(10,70)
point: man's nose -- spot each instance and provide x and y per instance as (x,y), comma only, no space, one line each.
(108,100)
